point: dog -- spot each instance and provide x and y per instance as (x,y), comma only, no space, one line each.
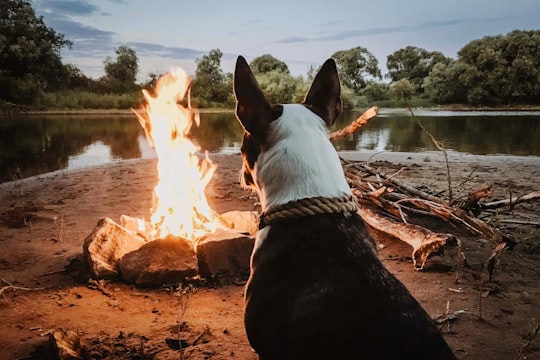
(317,289)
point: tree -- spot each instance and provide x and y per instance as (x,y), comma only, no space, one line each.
(354,65)
(376,91)
(402,90)
(414,64)
(279,87)
(29,53)
(447,84)
(121,73)
(211,84)
(507,68)
(266,63)
(75,78)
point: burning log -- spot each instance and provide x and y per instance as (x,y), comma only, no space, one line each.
(137,226)
(114,251)
(241,221)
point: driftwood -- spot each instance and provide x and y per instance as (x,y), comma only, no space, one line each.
(356,124)
(511,201)
(390,207)
(476,195)
(425,243)
(399,184)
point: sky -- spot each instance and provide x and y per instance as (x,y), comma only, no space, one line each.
(303,34)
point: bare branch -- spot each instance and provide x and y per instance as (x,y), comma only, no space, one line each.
(356,124)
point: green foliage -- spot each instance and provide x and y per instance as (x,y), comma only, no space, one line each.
(494,71)
(402,90)
(354,65)
(376,91)
(211,85)
(29,52)
(491,71)
(121,73)
(266,63)
(22,90)
(279,87)
(75,78)
(414,64)
(151,80)
(79,100)
(448,83)
(506,69)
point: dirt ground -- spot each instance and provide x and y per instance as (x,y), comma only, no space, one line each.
(44,288)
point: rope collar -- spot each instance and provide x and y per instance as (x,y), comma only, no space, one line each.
(307,207)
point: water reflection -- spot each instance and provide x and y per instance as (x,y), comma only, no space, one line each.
(474,133)
(31,145)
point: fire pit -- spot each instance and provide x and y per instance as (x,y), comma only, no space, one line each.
(184,236)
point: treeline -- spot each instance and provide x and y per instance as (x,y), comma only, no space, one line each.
(501,70)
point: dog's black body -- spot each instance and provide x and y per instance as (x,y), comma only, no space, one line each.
(317,289)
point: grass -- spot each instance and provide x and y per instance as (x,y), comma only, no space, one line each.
(79,100)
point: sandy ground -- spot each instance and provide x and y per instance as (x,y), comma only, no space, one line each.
(45,219)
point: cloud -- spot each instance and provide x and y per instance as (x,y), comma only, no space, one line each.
(67,7)
(348,34)
(294,39)
(88,41)
(151,49)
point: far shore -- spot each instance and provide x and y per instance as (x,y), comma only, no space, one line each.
(457,108)
(104,112)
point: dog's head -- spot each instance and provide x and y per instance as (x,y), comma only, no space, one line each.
(284,144)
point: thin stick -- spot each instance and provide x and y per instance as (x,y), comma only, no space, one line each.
(356,124)
(461,184)
(15,287)
(403,186)
(440,146)
(511,201)
(519,222)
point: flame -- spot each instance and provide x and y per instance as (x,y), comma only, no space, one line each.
(181,207)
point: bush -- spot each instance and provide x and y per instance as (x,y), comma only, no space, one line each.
(21,91)
(77,100)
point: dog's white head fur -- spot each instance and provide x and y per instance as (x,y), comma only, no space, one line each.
(286,151)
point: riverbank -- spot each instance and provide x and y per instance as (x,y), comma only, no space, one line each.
(44,220)
(103,112)
(459,108)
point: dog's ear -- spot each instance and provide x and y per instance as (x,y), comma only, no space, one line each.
(324,96)
(252,109)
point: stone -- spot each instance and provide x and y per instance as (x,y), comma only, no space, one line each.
(162,261)
(241,221)
(224,250)
(107,244)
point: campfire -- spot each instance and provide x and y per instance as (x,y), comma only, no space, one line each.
(181,206)
(184,235)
